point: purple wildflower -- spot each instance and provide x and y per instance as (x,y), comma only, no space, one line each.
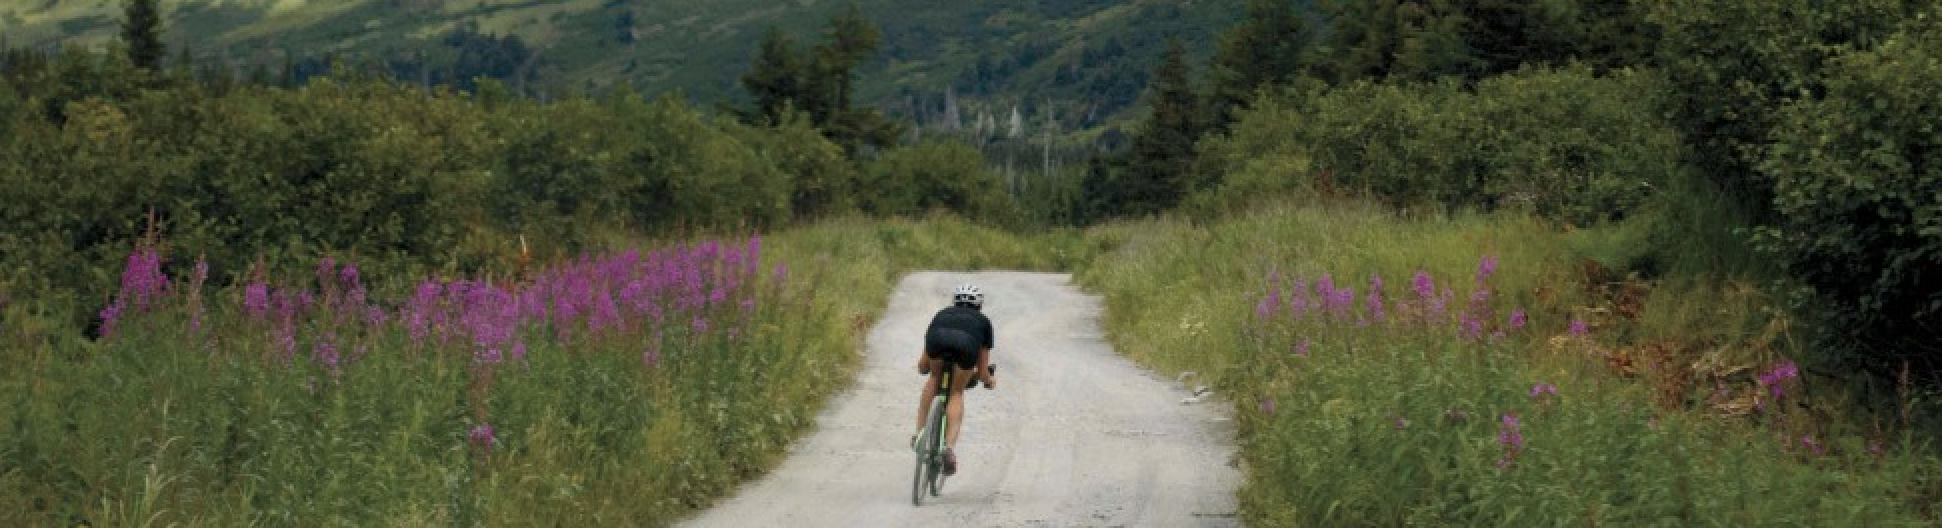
(109,316)
(1578,328)
(1424,287)
(1510,434)
(1486,267)
(1301,348)
(423,311)
(143,280)
(1807,441)
(1469,327)
(1341,301)
(142,285)
(325,353)
(1542,389)
(1773,379)
(1518,319)
(482,436)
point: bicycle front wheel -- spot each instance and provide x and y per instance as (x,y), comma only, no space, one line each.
(929,455)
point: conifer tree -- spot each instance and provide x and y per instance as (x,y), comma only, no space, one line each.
(1266,48)
(850,39)
(775,79)
(141,30)
(818,82)
(1157,171)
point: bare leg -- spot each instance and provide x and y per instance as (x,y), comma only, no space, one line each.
(955,409)
(930,392)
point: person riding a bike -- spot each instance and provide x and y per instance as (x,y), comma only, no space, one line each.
(959,336)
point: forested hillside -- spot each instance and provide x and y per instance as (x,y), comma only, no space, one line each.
(1077,61)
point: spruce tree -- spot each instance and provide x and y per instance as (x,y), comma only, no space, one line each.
(818,82)
(850,40)
(775,79)
(1158,166)
(1267,48)
(141,29)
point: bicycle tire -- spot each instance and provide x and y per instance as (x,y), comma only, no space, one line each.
(917,478)
(938,423)
(928,455)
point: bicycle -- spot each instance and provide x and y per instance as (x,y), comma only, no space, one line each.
(930,441)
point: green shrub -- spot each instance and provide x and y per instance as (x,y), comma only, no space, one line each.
(825,182)
(1857,178)
(933,175)
(1565,144)
(1731,66)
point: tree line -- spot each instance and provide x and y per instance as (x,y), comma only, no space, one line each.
(106,148)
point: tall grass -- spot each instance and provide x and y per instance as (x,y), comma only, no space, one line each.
(620,388)
(1482,370)
(518,400)
(1383,370)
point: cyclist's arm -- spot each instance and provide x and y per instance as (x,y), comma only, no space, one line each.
(984,366)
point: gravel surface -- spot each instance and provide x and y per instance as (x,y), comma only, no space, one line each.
(1075,435)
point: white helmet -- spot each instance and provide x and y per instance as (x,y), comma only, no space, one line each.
(968,293)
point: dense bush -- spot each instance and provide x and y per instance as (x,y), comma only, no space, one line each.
(1731,65)
(1857,178)
(1566,143)
(935,175)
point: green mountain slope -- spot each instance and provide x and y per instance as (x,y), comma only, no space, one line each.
(1087,59)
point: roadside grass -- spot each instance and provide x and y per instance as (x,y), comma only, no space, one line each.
(1495,370)
(1675,399)
(625,387)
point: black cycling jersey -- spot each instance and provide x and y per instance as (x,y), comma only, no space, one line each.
(969,320)
(956,334)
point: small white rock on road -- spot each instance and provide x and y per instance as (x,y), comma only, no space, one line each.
(1075,435)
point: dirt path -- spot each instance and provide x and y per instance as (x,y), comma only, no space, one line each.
(1074,436)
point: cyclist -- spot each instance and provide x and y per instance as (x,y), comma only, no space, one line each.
(959,336)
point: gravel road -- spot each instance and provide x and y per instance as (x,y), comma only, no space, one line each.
(1075,435)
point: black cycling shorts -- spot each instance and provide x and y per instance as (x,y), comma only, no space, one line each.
(952,345)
